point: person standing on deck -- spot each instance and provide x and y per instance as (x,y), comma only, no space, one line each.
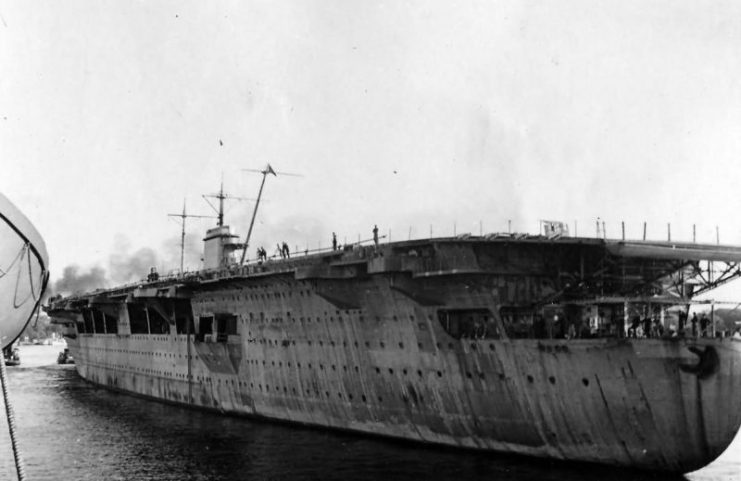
(375,235)
(334,241)
(646,326)
(694,324)
(633,329)
(704,325)
(285,251)
(682,322)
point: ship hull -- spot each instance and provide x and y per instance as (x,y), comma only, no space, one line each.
(622,403)
(435,342)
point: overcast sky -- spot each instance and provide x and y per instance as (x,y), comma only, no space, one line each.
(401,114)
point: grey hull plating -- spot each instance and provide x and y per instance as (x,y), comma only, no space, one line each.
(358,345)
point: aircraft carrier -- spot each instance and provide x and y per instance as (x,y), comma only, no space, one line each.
(526,344)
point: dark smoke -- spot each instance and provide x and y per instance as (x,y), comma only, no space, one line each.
(73,281)
(125,267)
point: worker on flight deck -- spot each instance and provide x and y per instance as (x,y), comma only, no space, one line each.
(704,325)
(285,252)
(682,322)
(375,235)
(633,329)
(334,241)
(646,326)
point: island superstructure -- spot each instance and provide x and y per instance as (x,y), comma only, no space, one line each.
(506,342)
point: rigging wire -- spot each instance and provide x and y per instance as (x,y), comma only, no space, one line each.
(17,256)
(16,304)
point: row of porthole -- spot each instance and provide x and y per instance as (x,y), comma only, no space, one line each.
(256,362)
(150,337)
(552,380)
(391,371)
(381,344)
(469,375)
(261,320)
(143,353)
(254,297)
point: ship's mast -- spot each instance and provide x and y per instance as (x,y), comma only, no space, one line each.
(183,216)
(220,222)
(221,196)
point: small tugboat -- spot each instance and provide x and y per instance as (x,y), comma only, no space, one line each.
(12,356)
(65,357)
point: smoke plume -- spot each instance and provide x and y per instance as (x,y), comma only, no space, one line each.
(125,266)
(73,281)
